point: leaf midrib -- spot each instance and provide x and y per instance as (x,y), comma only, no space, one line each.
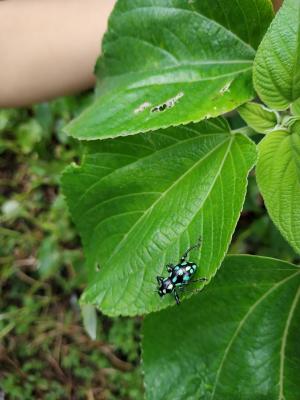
(178,143)
(138,85)
(146,74)
(178,62)
(203,202)
(230,140)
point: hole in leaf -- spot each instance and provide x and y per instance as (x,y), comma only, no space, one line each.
(168,104)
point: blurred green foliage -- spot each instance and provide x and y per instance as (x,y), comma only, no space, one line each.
(45,352)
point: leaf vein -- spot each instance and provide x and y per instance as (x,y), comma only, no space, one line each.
(241,323)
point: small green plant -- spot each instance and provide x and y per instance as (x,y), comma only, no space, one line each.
(163,167)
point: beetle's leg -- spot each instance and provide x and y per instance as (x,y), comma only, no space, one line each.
(176,297)
(198,280)
(169,267)
(198,244)
(185,284)
(159,279)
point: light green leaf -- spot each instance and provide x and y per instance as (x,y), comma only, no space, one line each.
(48,257)
(258,117)
(278,177)
(140,202)
(170,62)
(238,339)
(295,107)
(28,135)
(12,209)
(277,62)
(89,316)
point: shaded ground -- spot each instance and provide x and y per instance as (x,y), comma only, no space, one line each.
(45,351)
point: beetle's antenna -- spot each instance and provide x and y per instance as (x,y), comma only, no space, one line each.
(197,245)
(199,241)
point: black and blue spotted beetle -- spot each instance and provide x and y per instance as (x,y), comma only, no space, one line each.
(179,275)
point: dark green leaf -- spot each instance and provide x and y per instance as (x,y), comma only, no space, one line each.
(277,63)
(170,62)
(238,339)
(139,202)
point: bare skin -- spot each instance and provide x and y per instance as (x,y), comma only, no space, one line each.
(49,48)
(277,4)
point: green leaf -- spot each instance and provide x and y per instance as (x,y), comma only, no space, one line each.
(238,339)
(278,177)
(277,62)
(295,107)
(48,257)
(171,62)
(28,135)
(140,202)
(258,117)
(89,316)
(12,209)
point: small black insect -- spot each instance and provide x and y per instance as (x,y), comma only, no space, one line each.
(179,275)
(160,108)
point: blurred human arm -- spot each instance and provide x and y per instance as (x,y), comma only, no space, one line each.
(277,4)
(48,48)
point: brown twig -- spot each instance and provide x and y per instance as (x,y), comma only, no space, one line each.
(25,278)
(27,262)
(115,361)
(54,364)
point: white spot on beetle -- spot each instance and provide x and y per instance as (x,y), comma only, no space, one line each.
(142,107)
(170,287)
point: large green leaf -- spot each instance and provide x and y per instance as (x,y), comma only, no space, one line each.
(278,176)
(238,339)
(170,62)
(139,202)
(277,63)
